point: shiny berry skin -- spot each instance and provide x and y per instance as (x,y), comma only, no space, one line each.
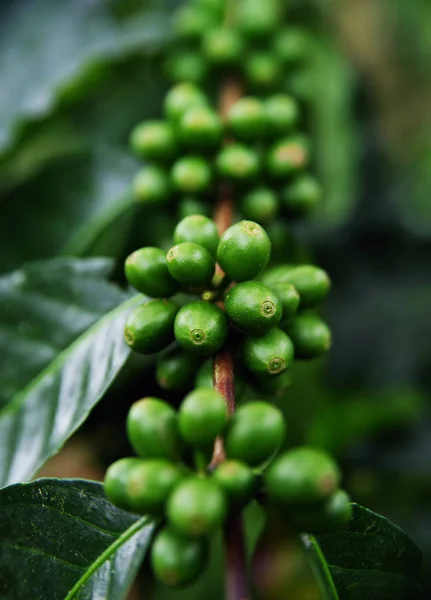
(151,186)
(281,113)
(152,429)
(186,65)
(289,298)
(310,335)
(181,98)
(246,119)
(200,127)
(237,481)
(312,283)
(149,484)
(202,416)
(176,560)
(196,507)
(301,197)
(287,157)
(303,475)
(149,328)
(255,432)
(268,355)
(201,328)
(244,250)
(176,370)
(253,307)
(222,47)
(260,204)
(154,140)
(199,230)
(116,479)
(238,163)
(191,205)
(291,45)
(146,269)
(263,71)
(191,175)
(190,264)
(334,514)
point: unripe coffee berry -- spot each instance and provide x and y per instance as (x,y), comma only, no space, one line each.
(199,230)
(147,270)
(255,433)
(190,264)
(186,65)
(190,22)
(177,560)
(260,204)
(253,307)
(302,196)
(181,98)
(335,513)
(310,335)
(237,481)
(149,328)
(268,355)
(200,127)
(292,45)
(154,140)
(313,284)
(281,113)
(244,250)
(238,163)
(116,480)
(222,47)
(246,119)
(287,157)
(202,416)
(302,476)
(151,186)
(176,370)
(196,507)
(201,328)
(263,71)
(191,175)
(258,19)
(149,484)
(289,298)
(152,429)
(192,205)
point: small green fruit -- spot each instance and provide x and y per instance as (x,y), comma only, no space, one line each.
(199,230)
(190,264)
(335,513)
(181,98)
(281,113)
(154,140)
(149,328)
(286,157)
(176,370)
(289,298)
(151,186)
(190,22)
(302,196)
(273,386)
(147,270)
(176,560)
(302,476)
(255,433)
(222,47)
(263,71)
(116,480)
(152,429)
(196,507)
(201,328)
(189,206)
(237,481)
(202,416)
(270,354)
(238,163)
(200,127)
(186,65)
(149,484)
(260,205)
(258,19)
(244,250)
(292,45)
(253,307)
(191,175)
(312,283)
(246,119)
(310,335)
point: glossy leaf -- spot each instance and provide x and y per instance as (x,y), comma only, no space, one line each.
(372,558)
(61,539)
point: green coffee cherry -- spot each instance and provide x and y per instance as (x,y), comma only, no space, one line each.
(263,71)
(191,175)
(302,196)
(189,206)
(302,476)
(201,328)
(152,429)
(270,354)
(246,119)
(313,284)
(151,186)
(181,98)
(190,22)
(146,269)
(149,328)
(335,513)
(289,298)
(286,157)
(253,307)
(177,560)
(260,205)
(200,127)
(204,379)
(186,65)
(244,250)
(176,370)
(281,113)
(116,480)
(237,481)
(154,140)
(222,47)
(255,432)
(273,386)
(199,230)
(310,335)
(196,507)
(202,416)
(238,163)
(190,264)
(149,484)
(258,19)
(292,45)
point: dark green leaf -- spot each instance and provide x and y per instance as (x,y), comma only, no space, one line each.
(372,558)
(61,539)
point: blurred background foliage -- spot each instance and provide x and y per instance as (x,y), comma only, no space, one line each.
(76,76)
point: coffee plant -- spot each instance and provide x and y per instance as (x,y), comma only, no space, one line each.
(219,311)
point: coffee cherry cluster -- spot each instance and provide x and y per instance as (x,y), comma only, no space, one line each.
(175,480)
